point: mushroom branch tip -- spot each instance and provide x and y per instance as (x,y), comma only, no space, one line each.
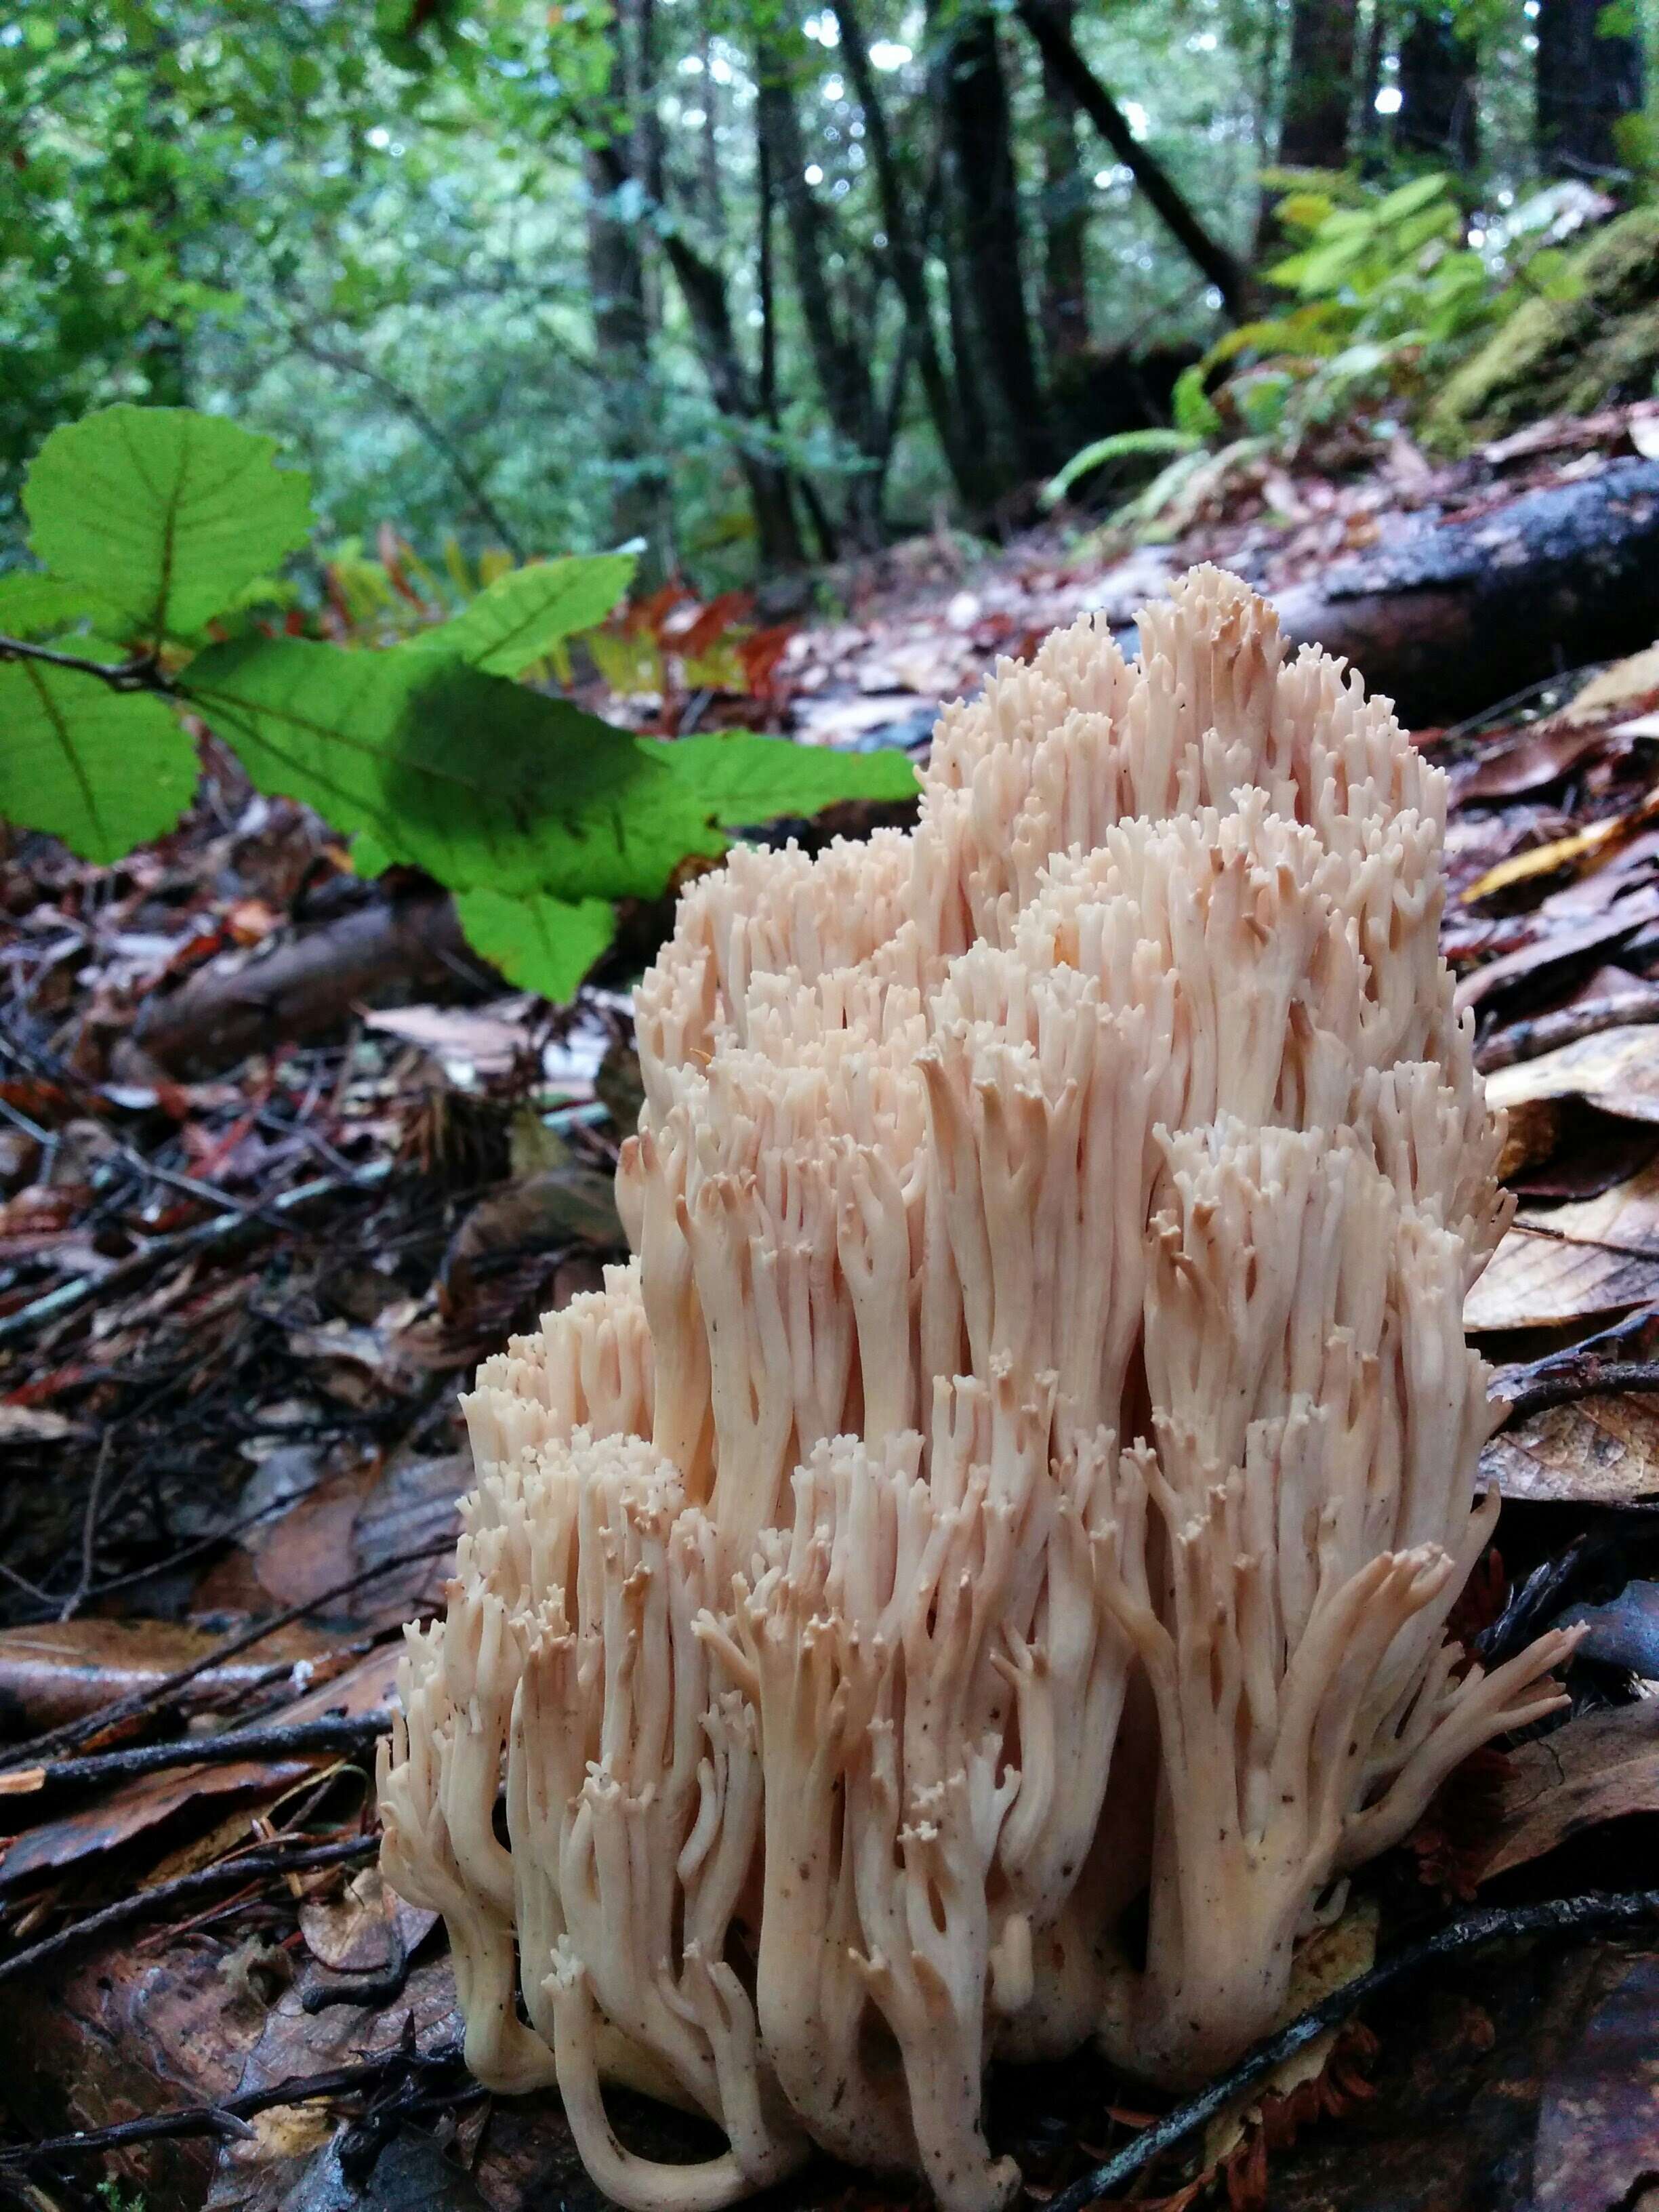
(1019,1486)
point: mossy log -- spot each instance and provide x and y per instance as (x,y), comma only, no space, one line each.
(1566,357)
(1451,616)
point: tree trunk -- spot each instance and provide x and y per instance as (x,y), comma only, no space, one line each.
(840,357)
(703,288)
(985,192)
(616,281)
(1319,91)
(1060,53)
(1438,113)
(907,251)
(1065,311)
(1446,617)
(1586,83)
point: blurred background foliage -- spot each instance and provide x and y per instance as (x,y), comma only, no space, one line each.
(756,284)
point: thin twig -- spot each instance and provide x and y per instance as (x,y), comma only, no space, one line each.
(141,673)
(1564,1916)
(69,1296)
(223,2118)
(340,1733)
(1587,1379)
(225,1874)
(138,1703)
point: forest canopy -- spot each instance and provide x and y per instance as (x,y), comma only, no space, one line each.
(753,284)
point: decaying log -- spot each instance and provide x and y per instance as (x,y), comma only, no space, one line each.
(1454,616)
(388,951)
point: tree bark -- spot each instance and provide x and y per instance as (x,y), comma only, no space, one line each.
(1586,82)
(907,251)
(1059,53)
(1438,114)
(703,288)
(1065,310)
(840,357)
(1450,617)
(381,953)
(986,194)
(1318,89)
(616,280)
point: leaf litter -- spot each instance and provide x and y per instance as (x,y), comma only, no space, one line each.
(236,1302)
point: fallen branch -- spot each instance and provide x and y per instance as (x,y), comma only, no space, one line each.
(140,1703)
(309,985)
(230,2115)
(69,1296)
(1448,614)
(1565,1025)
(225,1874)
(1564,1915)
(342,1733)
(1585,1378)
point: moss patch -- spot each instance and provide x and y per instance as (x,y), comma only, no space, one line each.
(1566,357)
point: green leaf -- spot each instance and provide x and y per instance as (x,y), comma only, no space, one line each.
(1123,445)
(33,605)
(740,781)
(104,770)
(541,943)
(1407,199)
(481,782)
(522,616)
(163,513)
(1194,412)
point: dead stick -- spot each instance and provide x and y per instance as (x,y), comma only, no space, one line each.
(336,1733)
(227,1874)
(137,1703)
(222,2119)
(1587,1378)
(1564,1915)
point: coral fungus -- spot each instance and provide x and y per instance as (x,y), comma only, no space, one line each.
(1028,1463)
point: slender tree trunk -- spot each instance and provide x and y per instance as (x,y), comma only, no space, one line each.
(906,250)
(1319,90)
(839,356)
(1439,114)
(714,189)
(1586,81)
(702,287)
(979,135)
(1371,133)
(1058,52)
(616,281)
(1065,314)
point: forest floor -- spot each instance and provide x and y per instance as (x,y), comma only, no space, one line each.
(236,1302)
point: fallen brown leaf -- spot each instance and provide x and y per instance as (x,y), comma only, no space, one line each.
(1602,1767)
(1537,1281)
(1596,1451)
(60,1670)
(1617,1070)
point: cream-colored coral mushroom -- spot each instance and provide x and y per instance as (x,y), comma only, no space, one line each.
(1028,1463)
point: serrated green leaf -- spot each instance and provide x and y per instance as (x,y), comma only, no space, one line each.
(522,616)
(541,943)
(482,783)
(163,513)
(33,605)
(104,770)
(739,780)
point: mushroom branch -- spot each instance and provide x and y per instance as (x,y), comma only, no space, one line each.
(1028,1464)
